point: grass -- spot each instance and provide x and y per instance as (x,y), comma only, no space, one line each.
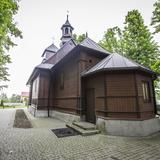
(7,107)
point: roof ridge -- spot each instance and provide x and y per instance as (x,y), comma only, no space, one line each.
(61,48)
(116,62)
(103,61)
(89,43)
(136,63)
(50,50)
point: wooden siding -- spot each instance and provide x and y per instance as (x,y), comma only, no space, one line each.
(69,98)
(96,83)
(146,108)
(119,95)
(35,88)
(43,90)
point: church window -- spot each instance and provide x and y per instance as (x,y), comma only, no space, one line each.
(146,91)
(66,30)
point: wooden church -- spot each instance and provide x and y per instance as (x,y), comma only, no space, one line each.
(84,82)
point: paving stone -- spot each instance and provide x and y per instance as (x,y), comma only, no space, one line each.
(39,143)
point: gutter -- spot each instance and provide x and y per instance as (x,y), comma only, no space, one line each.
(49,90)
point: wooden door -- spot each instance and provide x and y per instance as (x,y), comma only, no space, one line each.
(90,105)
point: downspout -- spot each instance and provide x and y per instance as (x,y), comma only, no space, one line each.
(154,99)
(137,98)
(49,90)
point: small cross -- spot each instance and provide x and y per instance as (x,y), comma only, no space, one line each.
(53,39)
(67,14)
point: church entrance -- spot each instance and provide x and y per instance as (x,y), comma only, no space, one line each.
(90,105)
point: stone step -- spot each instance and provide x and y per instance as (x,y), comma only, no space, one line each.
(83,132)
(85,125)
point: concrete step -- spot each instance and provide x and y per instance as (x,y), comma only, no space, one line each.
(83,132)
(85,125)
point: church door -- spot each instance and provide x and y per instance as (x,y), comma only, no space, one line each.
(90,105)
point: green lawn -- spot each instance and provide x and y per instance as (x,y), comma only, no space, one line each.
(6,107)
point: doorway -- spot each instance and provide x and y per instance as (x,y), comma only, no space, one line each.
(90,105)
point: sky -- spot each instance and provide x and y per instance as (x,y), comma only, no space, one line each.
(40,22)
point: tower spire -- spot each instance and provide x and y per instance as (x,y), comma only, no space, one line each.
(67,17)
(67,14)
(66,31)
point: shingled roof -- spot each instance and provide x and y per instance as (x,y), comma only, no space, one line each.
(51,48)
(116,62)
(89,43)
(64,51)
(67,24)
(45,66)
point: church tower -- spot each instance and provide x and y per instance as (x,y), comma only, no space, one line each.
(66,32)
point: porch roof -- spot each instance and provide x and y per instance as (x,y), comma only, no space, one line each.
(116,61)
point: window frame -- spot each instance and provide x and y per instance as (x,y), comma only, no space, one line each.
(66,31)
(146,91)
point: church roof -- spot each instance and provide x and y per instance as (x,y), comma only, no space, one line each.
(45,66)
(67,24)
(115,62)
(63,51)
(89,43)
(51,48)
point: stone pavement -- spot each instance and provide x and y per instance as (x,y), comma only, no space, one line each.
(39,143)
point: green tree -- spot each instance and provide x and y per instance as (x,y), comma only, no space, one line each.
(134,41)
(4,97)
(79,38)
(112,40)
(155,21)
(138,43)
(15,98)
(8,29)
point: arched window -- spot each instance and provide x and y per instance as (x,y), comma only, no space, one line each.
(66,30)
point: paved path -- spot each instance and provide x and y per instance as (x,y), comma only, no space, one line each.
(39,143)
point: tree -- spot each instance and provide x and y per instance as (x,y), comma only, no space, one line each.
(15,98)
(112,40)
(155,21)
(8,29)
(4,97)
(138,41)
(134,41)
(79,38)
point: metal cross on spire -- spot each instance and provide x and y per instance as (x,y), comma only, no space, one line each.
(53,39)
(67,14)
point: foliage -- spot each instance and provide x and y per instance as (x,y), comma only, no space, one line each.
(4,97)
(15,98)
(138,41)
(134,41)
(112,40)
(79,38)
(2,103)
(3,86)
(8,29)
(155,21)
